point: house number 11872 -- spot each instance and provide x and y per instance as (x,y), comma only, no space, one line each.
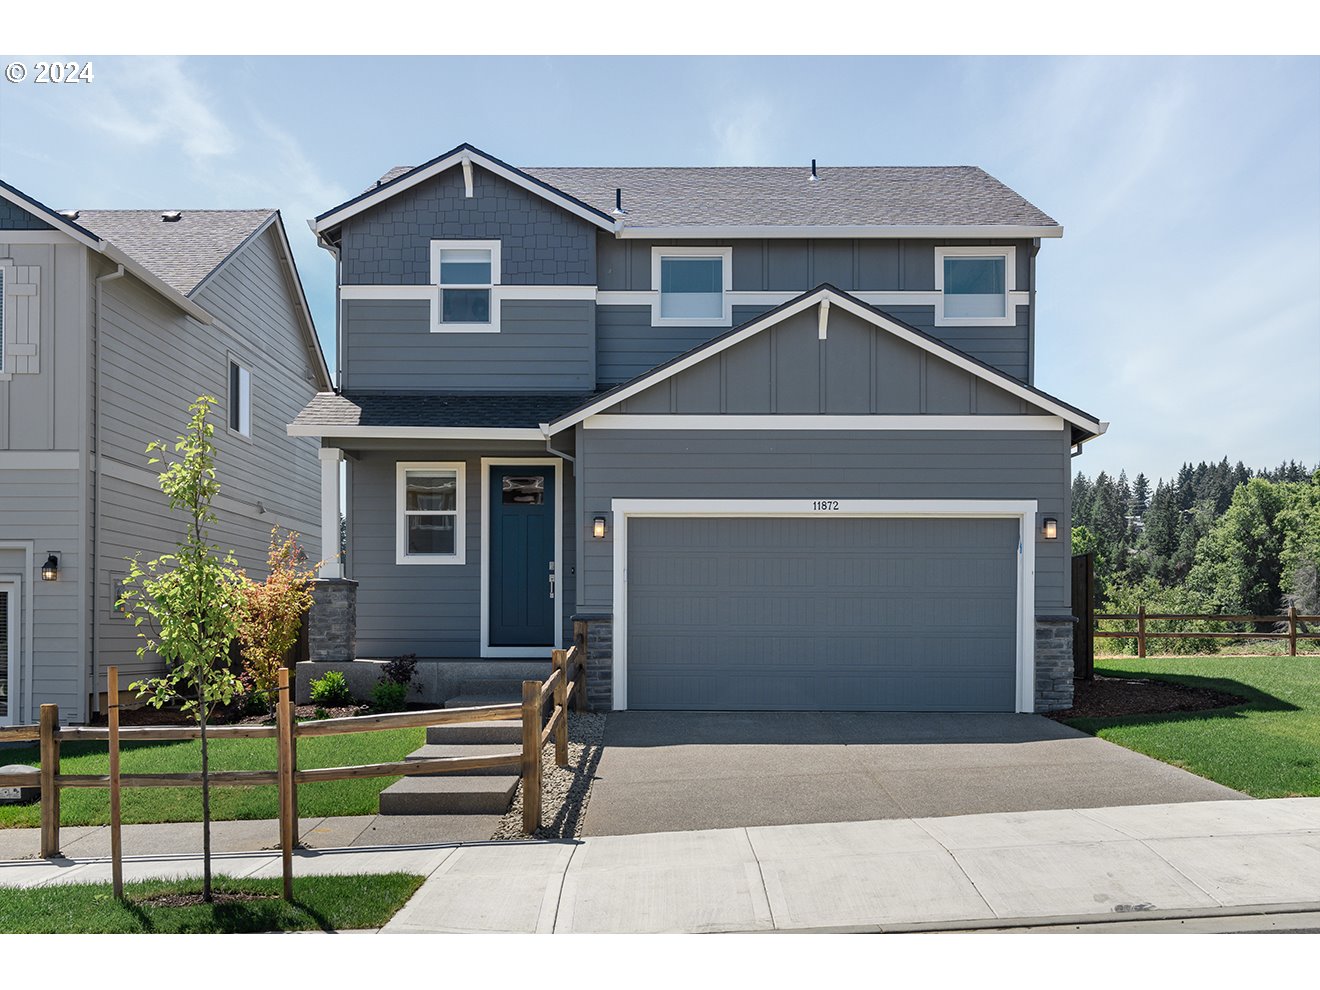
(828,505)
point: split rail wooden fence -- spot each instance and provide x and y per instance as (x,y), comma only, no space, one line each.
(1296,627)
(565,685)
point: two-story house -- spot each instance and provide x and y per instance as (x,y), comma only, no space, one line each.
(112,322)
(773,431)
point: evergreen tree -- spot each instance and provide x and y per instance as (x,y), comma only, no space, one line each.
(1140,496)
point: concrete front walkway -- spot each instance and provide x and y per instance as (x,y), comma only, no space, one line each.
(975,871)
(670,771)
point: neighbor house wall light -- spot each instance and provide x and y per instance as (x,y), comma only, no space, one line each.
(1051,529)
(598,527)
(50,570)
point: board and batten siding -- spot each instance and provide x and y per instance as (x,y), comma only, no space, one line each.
(628,344)
(154,361)
(802,464)
(542,346)
(433,610)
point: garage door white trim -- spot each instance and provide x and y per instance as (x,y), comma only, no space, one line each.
(1024,511)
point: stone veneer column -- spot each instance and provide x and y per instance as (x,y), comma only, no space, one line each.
(600,660)
(332,622)
(1054,662)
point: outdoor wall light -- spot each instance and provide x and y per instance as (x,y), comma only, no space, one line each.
(598,527)
(50,570)
(1051,529)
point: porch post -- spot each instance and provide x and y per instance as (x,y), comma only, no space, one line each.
(330,460)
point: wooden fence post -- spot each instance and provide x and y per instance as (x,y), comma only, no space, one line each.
(50,790)
(1292,630)
(285,770)
(116,832)
(1141,630)
(559,662)
(531,756)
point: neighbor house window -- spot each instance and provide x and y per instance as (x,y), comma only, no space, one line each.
(974,284)
(466,274)
(240,399)
(430,513)
(692,286)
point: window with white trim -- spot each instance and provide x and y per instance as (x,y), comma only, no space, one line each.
(430,516)
(240,399)
(465,274)
(974,285)
(2,320)
(692,286)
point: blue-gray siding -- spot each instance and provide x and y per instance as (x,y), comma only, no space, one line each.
(16,218)
(822,614)
(431,610)
(542,244)
(542,346)
(746,464)
(859,368)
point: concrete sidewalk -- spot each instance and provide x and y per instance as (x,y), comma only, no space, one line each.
(975,871)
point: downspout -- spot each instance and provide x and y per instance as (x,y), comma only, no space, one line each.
(96,471)
(549,446)
(1031,316)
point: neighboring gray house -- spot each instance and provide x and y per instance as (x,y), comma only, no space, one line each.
(773,431)
(112,322)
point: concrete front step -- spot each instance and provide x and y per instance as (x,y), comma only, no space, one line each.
(448,795)
(497,686)
(508,733)
(468,750)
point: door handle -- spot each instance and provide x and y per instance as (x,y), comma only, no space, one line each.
(552,579)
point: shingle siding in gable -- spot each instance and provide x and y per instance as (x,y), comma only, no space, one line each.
(541,244)
(16,218)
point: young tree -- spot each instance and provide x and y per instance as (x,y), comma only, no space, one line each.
(189,600)
(272,612)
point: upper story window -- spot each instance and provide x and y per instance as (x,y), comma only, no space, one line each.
(974,285)
(2,320)
(240,399)
(692,286)
(465,274)
(429,521)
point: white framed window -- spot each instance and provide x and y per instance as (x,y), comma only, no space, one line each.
(465,274)
(691,286)
(430,518)
(240,399)
(974,284)
(2,319)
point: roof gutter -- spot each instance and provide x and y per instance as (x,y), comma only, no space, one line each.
(901,231)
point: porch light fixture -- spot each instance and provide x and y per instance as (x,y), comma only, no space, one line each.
(1051,529)
(50,570)
(598,527)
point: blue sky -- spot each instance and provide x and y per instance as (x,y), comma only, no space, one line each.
(1182,304)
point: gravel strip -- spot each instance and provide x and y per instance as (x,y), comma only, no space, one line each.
(564,790)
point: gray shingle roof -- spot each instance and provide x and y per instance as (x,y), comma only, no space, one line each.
(182,253)
(521,411)
(775,196)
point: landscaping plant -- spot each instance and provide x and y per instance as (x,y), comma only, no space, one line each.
(189,601)
(331,690)
(272,613)
(396,678)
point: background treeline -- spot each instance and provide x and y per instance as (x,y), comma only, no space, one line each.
(1218,538)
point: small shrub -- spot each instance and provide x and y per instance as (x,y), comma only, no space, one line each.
(400,670)
(320,713)
(387,696)
(331,690)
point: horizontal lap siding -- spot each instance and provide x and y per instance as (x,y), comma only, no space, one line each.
(431,610)
(543,345)
(627,344)
(824,464)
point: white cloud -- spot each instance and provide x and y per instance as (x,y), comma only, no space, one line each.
(741,130)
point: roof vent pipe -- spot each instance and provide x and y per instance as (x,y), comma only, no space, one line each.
(619,211)
(814,176)
(69,214)
(171,216)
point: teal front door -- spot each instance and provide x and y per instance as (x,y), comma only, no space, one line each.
(522,556)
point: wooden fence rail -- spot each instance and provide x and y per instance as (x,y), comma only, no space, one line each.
(565,684)
(1141,634)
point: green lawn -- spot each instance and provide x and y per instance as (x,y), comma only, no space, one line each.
(331,903)
(1269,746)
(91,805)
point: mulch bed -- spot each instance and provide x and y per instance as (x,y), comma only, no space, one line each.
(1107,697)
(192,900)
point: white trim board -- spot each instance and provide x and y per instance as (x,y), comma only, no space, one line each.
(464,156)
(1024,510)
(19,709)
(732,231)
(416,432)
(495,652)
(804,302)
(12,658)
(751,297)
(663,421)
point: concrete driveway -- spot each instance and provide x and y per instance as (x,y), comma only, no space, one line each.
(675,771)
